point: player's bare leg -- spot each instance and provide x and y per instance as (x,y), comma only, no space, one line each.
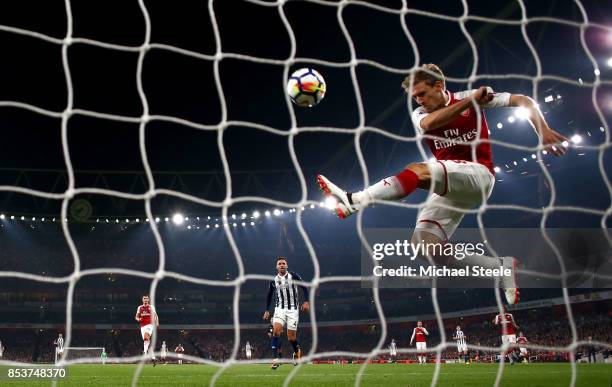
(297,350)
(278,330)
(147,341)
(509,284)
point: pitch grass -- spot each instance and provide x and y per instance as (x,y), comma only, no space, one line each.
(387,375)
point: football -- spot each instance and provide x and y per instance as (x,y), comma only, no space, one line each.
(306,87)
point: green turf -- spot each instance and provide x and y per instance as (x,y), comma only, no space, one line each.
(532,375)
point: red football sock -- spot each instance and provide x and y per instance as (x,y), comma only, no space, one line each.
(409,181)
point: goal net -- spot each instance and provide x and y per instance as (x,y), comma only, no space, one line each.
(80,355)
(247,51)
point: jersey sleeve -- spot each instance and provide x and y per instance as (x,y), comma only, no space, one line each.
(499,99)
(417,115)
(304,288)
(425,331)
(269,296)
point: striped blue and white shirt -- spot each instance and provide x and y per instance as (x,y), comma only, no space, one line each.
(285,291)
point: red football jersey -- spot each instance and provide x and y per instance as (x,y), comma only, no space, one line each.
(420,334)
(145,313)
(505,320)
(458,135)
(521,340)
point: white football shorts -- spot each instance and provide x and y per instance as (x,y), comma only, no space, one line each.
(462,348)
(288,317)
(508,339)
(460,184)
(146,329)
(421,345)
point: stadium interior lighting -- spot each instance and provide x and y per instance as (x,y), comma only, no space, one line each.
(515,163)
(576,139)
(276,212)
(2,216)
(548,98)
(178,218)
(601,129)
(500,125)
(267,213)
(157,220)
(521,113)
(137,220)
(13,217)
(116,220)
(565,144)
(533,156)
(234,224)
(511,119)
(497,169)
(243,224)
(42,220)
(525,159)
(252,223)
(208,226)
(23,218)
(609,62)
(256,214)
(188,227)
(312,206)
(243,216)
(545,152)
(596,72)
(166,219)
(217,225)
(233,216)
(331,203)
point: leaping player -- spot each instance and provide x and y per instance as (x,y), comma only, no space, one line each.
(420,334)
(148,319)
(287,309)
(508,331)
(456,178)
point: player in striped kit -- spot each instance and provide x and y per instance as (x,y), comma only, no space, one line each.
(59,345)
(164,352)
(248,350)
(147,317)
(508,331)
(461,176)
(462,350)
(287,309)
(393,350)
(420,334)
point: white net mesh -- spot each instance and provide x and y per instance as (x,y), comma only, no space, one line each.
(145,118)
(80,354)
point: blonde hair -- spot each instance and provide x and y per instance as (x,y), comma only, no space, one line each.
(429,73)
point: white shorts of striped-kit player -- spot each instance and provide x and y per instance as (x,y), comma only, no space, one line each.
(287,317)
(461,347)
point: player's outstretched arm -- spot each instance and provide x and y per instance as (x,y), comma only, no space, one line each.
(447,114)
(550,138)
